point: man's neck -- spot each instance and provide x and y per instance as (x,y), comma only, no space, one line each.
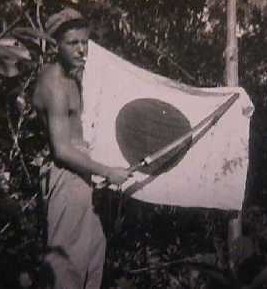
(74,73)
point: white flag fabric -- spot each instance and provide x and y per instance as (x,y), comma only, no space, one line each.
(131,113)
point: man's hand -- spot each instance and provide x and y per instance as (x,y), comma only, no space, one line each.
(118,175)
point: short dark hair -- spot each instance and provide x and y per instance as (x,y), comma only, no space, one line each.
(72,24)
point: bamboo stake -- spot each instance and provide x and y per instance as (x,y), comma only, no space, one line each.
(235,224)
(231,46)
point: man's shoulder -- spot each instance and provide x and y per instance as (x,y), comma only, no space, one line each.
(49,74)
(50,86)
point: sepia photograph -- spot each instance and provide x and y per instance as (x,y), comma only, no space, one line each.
(133,149)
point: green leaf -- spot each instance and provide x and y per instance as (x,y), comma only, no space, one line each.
(30,34)
(11,48)
(12,52)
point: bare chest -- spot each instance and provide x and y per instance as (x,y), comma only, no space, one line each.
(75,102)
(75,107)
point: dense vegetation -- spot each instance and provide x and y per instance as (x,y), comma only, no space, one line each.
(184,40)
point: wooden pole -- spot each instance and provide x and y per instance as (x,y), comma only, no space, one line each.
(231,46)
(235,224)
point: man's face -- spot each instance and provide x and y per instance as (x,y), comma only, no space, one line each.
(73,48)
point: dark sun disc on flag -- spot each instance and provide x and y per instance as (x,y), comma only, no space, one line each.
(144,126)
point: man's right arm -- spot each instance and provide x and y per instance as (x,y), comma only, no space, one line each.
(64,152)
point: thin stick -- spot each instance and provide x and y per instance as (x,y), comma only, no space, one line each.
(41,27)
(12,25)
(28,17)
(23,209)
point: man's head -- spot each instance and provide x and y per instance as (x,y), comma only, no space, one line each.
(70,30)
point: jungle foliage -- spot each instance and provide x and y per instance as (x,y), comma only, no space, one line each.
(183,40)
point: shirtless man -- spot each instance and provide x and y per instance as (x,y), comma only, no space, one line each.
(75,236)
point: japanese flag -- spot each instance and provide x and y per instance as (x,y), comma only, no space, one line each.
(189,146)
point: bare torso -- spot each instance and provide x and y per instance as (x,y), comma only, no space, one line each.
(60,82)
(58,102)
